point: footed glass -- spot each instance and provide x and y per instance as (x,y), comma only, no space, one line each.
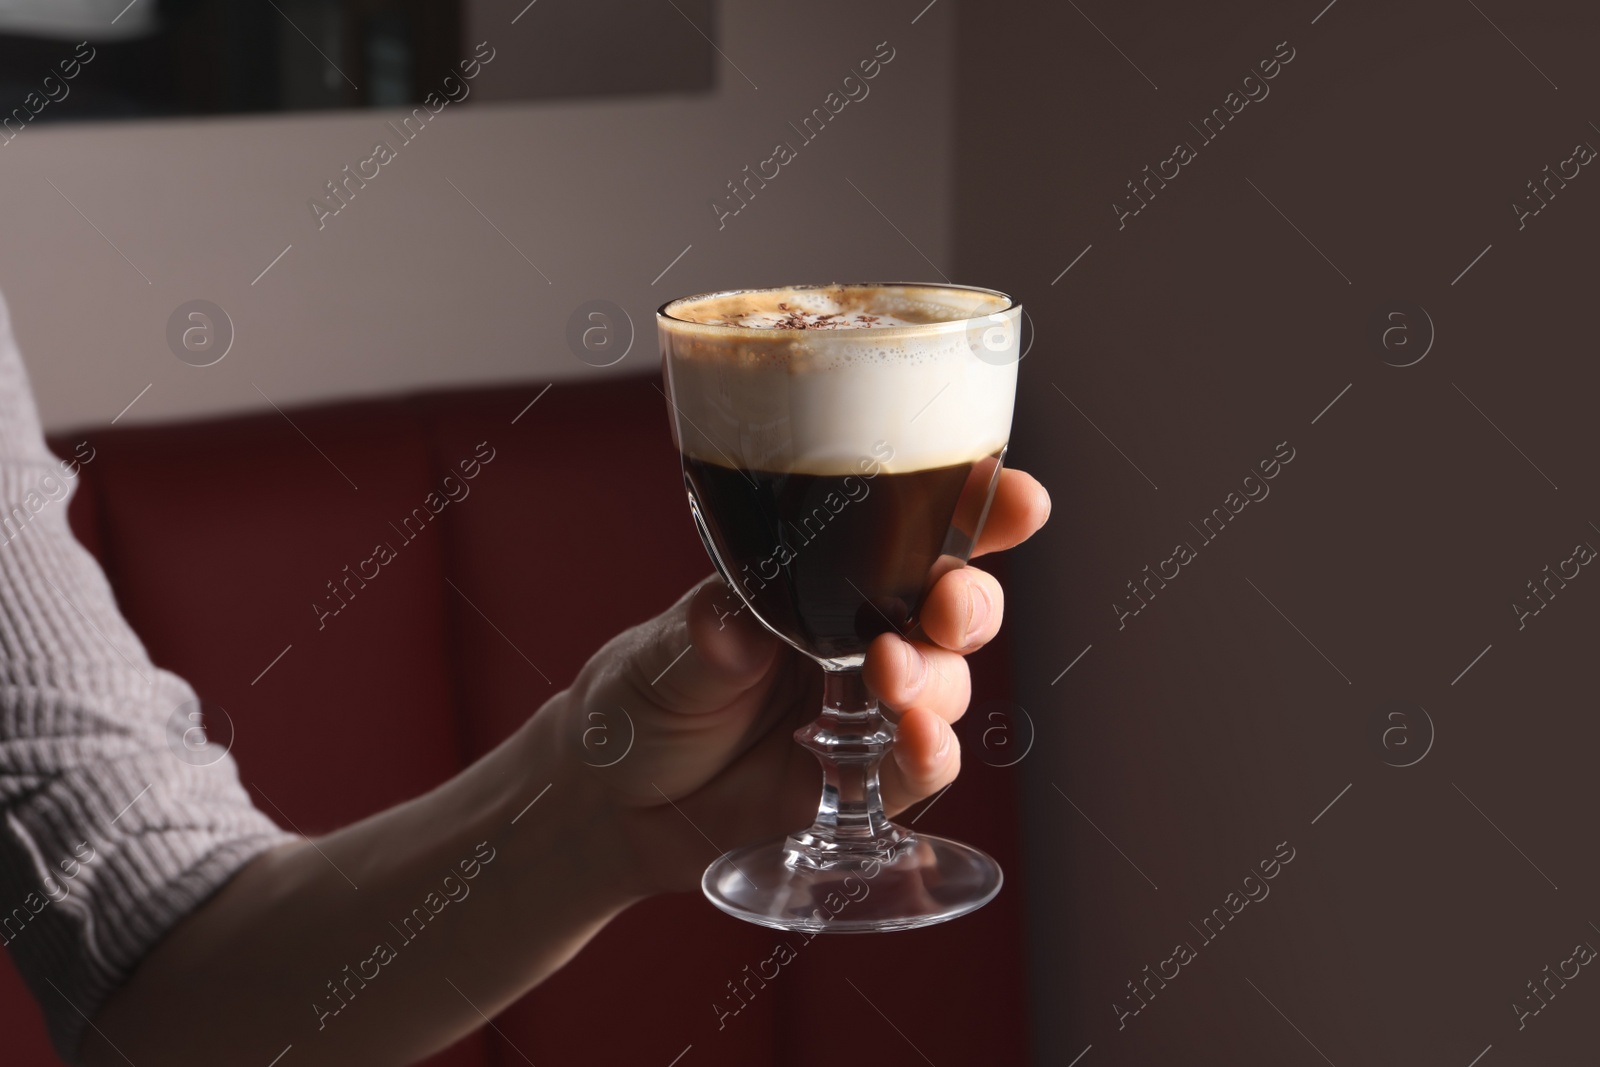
(840,446)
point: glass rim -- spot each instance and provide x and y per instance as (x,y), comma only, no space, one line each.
(663,316)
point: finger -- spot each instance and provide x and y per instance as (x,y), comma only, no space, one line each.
(911,676)
(1021,505)
(699,656)
(926,758)
(962,611)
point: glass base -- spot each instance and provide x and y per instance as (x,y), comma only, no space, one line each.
(925,880)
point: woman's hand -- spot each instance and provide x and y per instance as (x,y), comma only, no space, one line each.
(711,700)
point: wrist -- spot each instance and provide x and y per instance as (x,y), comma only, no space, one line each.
(561,819)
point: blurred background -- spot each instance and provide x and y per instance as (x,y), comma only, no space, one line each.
(1347,245)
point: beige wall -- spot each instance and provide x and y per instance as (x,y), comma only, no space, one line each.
(409,287)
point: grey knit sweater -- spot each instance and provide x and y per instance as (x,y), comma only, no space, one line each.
(107,837)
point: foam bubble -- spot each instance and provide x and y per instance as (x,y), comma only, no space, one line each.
(904,390)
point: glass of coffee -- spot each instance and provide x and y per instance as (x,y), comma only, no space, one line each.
(841,445)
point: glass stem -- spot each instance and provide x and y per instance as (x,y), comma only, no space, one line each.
(850,739)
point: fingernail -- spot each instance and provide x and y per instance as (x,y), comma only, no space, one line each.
(916,666)
(978,609)
(944,744)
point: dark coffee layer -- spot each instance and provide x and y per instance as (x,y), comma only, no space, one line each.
(831,561)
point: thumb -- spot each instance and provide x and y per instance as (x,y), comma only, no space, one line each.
(701,654)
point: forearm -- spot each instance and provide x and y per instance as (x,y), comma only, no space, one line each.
(385,940)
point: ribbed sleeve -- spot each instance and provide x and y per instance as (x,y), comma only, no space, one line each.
(107,837)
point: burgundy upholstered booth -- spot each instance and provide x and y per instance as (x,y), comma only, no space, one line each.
(219,537)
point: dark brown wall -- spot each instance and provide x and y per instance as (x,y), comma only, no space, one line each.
(1259,684)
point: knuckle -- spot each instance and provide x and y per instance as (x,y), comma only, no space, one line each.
(641,676)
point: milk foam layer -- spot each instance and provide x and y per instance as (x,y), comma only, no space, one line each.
(903,392)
